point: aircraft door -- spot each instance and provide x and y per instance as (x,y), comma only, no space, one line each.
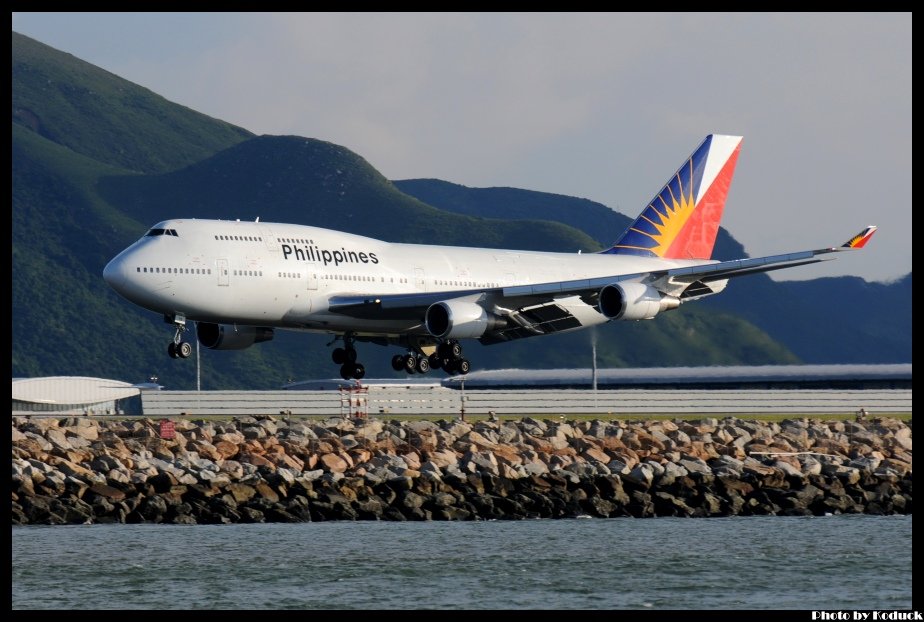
(268,238)
(419,281)
(312,273)
(222,271)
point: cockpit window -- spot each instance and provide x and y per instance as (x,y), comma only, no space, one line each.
(154,232)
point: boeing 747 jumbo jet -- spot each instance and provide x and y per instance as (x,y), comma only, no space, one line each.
(239,281)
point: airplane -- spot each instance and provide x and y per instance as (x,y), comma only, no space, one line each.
(240,281)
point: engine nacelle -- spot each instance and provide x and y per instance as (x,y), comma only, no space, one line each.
(634,301)
(231,337)
(459,319)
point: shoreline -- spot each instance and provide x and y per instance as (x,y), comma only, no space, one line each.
(78,470)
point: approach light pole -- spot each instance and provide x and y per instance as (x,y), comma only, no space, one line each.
(593,351)
(198,366)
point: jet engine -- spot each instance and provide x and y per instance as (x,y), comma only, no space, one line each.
(459,319)
(231,336)
(634,301)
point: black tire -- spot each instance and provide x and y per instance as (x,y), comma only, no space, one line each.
(435,361)
(449,366)
(463,366)
(359,371)
(171,350)
(455,348)
(423,365)
(184,349)
(410,363)
(339,356)
(346,371)
(397,362)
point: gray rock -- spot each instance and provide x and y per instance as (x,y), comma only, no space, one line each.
(583,469)
(810,465)
(421,426)
(727,466)
(641,475)
(846,474)
(77,442)
(42,442)
(301,430)
(254,432)
(429,468)
(534,423)
(287,475)
(670,473)
(310,476)
(536,467)
(865,463)
(695,465)
(509,434)
(788,469)
(618,466)
(58,439)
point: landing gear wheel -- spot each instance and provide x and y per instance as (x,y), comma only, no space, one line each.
(435,361)
(184,349)
(397,362)
(449,366)
(410,363)
(455,349)
(359,371)
(347,370)
(423,365)
(339,356)
(463,366)
(171,350)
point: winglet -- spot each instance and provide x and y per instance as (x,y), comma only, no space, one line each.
(860,239)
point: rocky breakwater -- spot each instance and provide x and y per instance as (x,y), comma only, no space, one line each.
(81,470)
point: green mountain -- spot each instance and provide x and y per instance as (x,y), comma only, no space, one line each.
(295,179)
(97,160)
(97,114)
(842,320)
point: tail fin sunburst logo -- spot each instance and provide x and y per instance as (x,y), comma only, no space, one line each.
(682,221)
(860,239)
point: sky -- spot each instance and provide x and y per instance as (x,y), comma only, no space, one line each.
(600,106)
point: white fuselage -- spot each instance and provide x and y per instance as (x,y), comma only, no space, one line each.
(283,275)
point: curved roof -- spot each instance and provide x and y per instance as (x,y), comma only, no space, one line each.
(71,390)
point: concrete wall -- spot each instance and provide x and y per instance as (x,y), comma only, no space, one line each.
(441,401)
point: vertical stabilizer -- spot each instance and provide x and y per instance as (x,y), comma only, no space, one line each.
(682,221)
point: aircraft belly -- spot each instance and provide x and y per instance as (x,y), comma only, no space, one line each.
(335,322)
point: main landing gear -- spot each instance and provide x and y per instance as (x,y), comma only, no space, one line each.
(178,348)
(346,358)
(448,356)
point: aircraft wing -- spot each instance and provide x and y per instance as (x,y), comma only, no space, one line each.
(549,307)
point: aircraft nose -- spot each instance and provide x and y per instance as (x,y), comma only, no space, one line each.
(114,274)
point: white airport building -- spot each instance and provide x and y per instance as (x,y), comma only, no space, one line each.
(77,395)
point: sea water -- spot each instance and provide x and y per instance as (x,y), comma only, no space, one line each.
(832,562)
